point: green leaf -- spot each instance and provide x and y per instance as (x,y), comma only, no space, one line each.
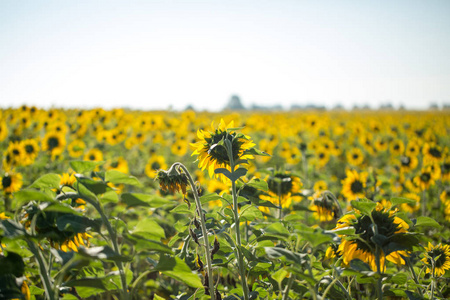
(136,199)
(149,228)
(81,167)
(277,229)
(276,252)
(109,197)
(210,197)
(259,202)
(117,177)
(142,244)
(25,196)
(177,269)
(183,209)
(279,276)
(223,171)
(254,151)
(95,186)
(359,265)
(259,184)
(77,224)
(250,213)
(400,200)
(238,174)
(365,208)
(11,229)
(399,278)
(102,253)
(62,208)
(428,222)
(343,231)
(87,282)
(47,181)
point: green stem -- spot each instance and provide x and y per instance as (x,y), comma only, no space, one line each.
(204,231)
(43,270)
(424,202)
(238,240)
(288,287)
(416,280)
(432,278)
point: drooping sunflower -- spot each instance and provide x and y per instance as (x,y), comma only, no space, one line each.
(31,147)
(363,247)
(54,142)
(283,187)
(212,155)
(354,184)
(440,254)
(324,209)
(76,148)
(11,182)
(155,163)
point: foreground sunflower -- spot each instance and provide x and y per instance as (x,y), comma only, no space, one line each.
(212,154)
(440,254)
(361,245)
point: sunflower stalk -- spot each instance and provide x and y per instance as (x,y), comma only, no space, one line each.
(416,280)
(203,227)
(245,290)
(43,271)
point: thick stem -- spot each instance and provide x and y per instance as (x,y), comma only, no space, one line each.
(424,202)
(204,231)
(43,270)
(238,242)
(288,287)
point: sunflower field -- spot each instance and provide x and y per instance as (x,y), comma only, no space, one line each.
(122,204)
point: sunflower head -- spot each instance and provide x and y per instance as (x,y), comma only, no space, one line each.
(222,147)
(172,180)
(11,182)
(437,257)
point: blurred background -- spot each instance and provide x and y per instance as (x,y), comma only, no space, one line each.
(210,54)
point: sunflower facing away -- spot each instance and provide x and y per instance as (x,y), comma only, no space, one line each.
(211,155)
(363,248)
(440,254)
(283,188)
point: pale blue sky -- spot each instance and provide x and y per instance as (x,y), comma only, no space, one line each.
(156,54)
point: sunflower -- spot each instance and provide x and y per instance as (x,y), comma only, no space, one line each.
(363,247)
(320,185)
(445,170)
(172,180)
(155,163)
(11,182)
(120,164)
(179,148)
(397,147)
(425,179)
(15,154)
(54,142)
(440,255)
(432,153)
(355,157)
(31,147)
(408,163)
(411,208)
(354,184)
(76,148)
(283,188)
(322,156)
(212,155)
(94,155)
(324,209)
(381,144)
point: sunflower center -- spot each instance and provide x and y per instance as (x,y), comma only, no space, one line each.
(356,187)
(446,167)
(405,160)
(16,152)
(435,152)
(29,149)
(52,143)
(92,157)
(6,182)
(115,164)
(425,177)
(355,156)
(282,184)
(156,165)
